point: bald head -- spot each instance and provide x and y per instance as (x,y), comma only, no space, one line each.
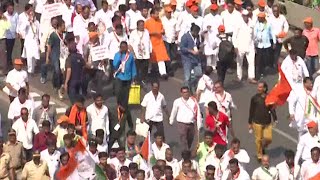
(265,161)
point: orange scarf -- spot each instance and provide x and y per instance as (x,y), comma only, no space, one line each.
(83,116)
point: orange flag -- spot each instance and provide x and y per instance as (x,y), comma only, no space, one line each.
(280,92)
(316,177)
(145,148)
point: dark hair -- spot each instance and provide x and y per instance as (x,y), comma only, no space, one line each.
(155,82)
(97,95)
(139,21)
(219,82)
(235,141)
(120,149)
(187,161)
(24,109)
(213,105)
(208,133)
(158,134)
(208,70)
(234,161)
(168,168)
(249,4)
(219,147)
(194,27)
(79,98)
(315,149)
(186,154)
(184,88)
(46,123)
(71,126)
(124,168)
(140,171)
(60,23)
(293,52)
(22,91)
(289,153)
(102,154)
(131,133)
(122,8)
(45,96)
(91,24)
(306,79)
(67,136)
(27,7)
(298,29)
(9,3)
(104,2)
(72,47)
(265,85)
(115,18)
(210,167)
(133,166)
(154,10)
(63,155)
(119,26)
(156,167)
(230,2)
(123,43)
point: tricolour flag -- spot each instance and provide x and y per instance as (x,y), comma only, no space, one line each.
(146,151)
(312,106)
(280,92)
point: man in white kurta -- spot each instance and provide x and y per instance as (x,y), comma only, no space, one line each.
(80,28)
(230,18)
(287,169)
(265,172)
(205,89)
(134,15)
(307,142)
(211,23)
(311,167)
(98,116)
(244,44)
(114,39)
(103,16)
(67,10)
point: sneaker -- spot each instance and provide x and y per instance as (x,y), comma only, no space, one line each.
(60,94)
(42,80)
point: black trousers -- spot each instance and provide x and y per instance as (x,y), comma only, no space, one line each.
(142,69)
(10,45)
(159,126)
(222,67)
(122,89)
(263,59)
(22,45)
(28,154)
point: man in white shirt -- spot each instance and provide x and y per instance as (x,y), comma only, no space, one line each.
(52,157)
(211,23)
(103,16)
(307,142)
(120,160)
(170,34)
(287,169)
(134,15)
(235,172)
(298,107)
(261,8)
(153,106)
(16,79)
(310,169)
(280,28)
(205,89)
(223,99)
(80,27)
(186,111)
(11,16)
(235,152)
(244,46)
(25,129)
(265,172)
(38,7)
(140,45)
(217,160)
(19,102)
(67,10)
(159,147)
(93,151)
(114,40)
(98,116)
(182,21)
(23,18)
(230,18)
(172,162)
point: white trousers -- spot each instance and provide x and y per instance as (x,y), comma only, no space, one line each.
(250,58)
(212,60)
(31,62)
(162,68)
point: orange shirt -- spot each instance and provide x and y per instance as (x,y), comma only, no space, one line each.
(159,52)
(313,36)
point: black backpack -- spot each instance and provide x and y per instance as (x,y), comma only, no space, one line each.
(226,51)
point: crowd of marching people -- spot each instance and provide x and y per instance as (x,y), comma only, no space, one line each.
(137,42)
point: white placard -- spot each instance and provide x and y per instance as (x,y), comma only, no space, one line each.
(99,53)
(52,10)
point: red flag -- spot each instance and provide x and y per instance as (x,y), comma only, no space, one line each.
(280,92)
(145,148)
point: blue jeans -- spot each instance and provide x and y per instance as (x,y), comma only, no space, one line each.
(188,81)
(312,63)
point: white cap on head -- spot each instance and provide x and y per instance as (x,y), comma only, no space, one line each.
(245,12)
(132,2)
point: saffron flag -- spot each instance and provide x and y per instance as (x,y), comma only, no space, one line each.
(316,177)
(280,92)
(145,148)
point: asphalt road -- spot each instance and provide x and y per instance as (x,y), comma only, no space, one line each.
(283,136)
